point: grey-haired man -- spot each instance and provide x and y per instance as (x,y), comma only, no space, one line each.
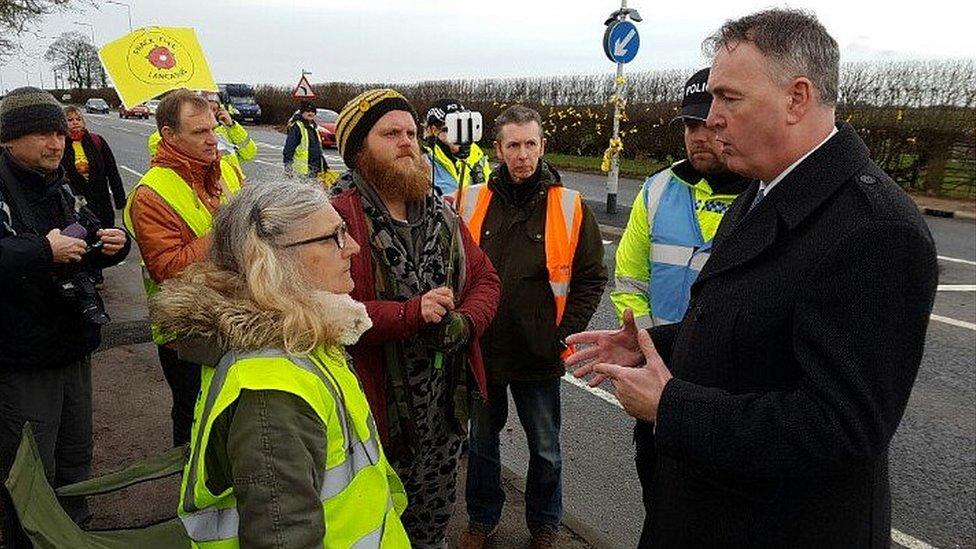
(774,399)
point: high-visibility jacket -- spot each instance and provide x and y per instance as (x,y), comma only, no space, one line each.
(299,162)
(564,217)
(180,196)
(667,241)
(362,497)
(233,143)
(447,173)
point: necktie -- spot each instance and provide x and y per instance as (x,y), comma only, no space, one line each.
(760,194)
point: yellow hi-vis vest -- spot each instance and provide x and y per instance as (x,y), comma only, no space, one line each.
(185,202)
(362,497)
(564,217)
(299,162)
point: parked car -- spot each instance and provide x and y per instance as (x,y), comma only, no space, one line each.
(151,105)
(137,111)
(325,121)
(96,105)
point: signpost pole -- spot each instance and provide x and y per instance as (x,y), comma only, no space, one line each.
(620,47)
(613,177)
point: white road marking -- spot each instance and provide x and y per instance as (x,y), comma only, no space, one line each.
(141,122)
(268,145)
(957,288)
(957,260)
(905,540)
(130,170)
(259,161)
(598,392)
(954,322)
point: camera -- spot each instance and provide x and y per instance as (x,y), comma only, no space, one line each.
(463,127)
(79,290)
(77,285)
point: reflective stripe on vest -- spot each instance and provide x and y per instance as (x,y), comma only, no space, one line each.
(299,162)
(183,200)
(678,249)
(564,217)
(213,520)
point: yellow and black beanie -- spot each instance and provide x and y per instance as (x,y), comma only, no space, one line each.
(30,110)
(359,115)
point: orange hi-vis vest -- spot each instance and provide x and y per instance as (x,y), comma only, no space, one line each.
(564,216)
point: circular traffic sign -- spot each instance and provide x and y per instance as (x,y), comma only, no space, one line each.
(621,42)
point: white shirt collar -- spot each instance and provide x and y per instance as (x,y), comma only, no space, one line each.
(766,187)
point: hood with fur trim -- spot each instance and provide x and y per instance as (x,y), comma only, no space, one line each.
(206,304)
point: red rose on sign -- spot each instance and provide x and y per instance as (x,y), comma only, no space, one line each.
(162,58)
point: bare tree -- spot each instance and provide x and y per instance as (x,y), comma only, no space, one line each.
(18,16)
(73,54)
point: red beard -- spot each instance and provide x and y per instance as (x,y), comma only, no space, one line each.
(409,182)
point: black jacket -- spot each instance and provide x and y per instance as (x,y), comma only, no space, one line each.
(39,329)
(794,363)
(523,342)
(103,174)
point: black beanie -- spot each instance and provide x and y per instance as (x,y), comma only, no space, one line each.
(30,110)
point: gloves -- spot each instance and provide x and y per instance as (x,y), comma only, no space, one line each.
(449,335)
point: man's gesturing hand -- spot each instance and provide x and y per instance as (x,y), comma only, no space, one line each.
(65,249)
(436,303)
(638,389)
(611,346)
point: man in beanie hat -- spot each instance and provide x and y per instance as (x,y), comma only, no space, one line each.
(454,165)
(679,206)
(303,149)
(45,349)
(430,293)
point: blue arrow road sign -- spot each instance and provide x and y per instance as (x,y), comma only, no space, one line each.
(621,42)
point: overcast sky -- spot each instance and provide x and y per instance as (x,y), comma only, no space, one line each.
(271,41)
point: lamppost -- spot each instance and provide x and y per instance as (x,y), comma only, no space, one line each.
(86,23)
(128,10)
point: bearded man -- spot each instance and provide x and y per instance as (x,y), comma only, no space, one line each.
(430,292)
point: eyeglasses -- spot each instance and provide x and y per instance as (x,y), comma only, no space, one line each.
(339,236)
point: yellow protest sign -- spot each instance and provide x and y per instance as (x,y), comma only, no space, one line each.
(151,61)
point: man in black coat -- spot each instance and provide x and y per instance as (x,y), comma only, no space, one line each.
(46,335)
(796,358)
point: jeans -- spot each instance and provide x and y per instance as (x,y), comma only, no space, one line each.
(184,381)
(537,404)
(58,404)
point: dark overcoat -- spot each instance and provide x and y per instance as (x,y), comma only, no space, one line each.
(794,363)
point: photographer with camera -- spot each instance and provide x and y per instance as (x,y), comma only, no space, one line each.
(50,314)
(454,165)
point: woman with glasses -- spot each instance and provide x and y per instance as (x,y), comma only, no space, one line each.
(284,451)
